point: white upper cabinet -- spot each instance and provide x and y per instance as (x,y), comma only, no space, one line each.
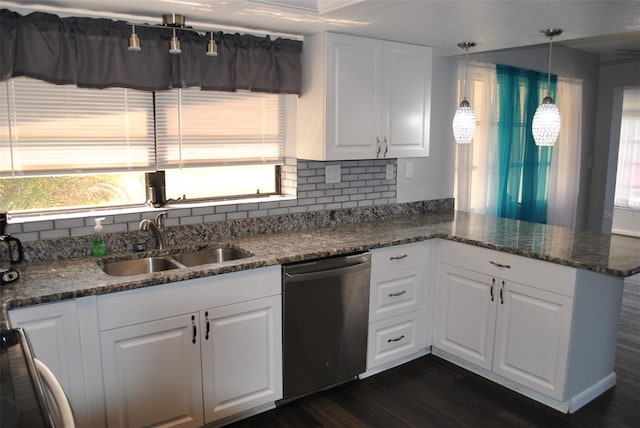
(363,99)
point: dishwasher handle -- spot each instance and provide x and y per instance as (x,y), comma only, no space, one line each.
(334,270)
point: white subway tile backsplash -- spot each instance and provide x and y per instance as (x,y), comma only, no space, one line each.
(237,215)
(226,208)
(204,210)
(196,219)
(68,223)
(278,211)
(52,234)
(37,226)
(215,217)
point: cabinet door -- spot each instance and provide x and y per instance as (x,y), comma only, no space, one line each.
(465,315)
(54,335)
(406,100)
(532,338)
(354,97)
(241,356)
(152,374)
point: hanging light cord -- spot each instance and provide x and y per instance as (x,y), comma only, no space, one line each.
(466,59)
(549,67)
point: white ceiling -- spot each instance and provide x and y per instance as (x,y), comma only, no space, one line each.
(598,26)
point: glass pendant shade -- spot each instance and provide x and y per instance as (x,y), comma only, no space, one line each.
(546,123)
(464,123)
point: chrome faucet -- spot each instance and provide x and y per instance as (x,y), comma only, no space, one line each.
(156,228)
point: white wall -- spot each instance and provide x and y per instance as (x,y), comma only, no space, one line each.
(613,78)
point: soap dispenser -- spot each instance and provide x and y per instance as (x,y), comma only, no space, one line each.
(99,248)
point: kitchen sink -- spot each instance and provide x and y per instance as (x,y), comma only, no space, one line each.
(210,255)
(174,261)
(140,266)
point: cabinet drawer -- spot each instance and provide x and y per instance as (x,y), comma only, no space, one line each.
(396,293)
(395,338)
(398,257)
(544,275)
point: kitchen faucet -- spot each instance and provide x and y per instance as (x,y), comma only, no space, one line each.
(156,228)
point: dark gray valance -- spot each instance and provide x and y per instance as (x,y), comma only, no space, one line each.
(94,53)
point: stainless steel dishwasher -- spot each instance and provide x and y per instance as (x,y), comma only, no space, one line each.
(325,319)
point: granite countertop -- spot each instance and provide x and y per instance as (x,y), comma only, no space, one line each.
(49,281)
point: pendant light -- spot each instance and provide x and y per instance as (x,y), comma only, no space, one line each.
(134,40)
(174,44)
(212,47)
(546,120)
(464,121)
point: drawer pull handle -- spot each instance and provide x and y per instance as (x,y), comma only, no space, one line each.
(404,256)
(399,293)
(379,146)
(493,283)
(501,294)
(500,265)
(396,339)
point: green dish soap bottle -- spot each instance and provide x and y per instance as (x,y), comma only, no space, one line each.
(99,248)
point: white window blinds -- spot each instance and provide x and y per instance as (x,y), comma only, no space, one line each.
(50,129)
(205,128)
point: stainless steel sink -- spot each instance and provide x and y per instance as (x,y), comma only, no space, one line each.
(210,255)
(140,266)
(175,261)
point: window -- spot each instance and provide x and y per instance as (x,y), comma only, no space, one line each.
(477,187)
(627,194)
(63,147)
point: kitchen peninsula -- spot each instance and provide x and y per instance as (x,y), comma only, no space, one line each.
(581,269)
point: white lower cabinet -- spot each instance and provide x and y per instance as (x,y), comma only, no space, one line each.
(194,367)
(552,339)
(398,320)
(53,332)
(514,330)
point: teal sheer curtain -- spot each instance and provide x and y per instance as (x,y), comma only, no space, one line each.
(523,167)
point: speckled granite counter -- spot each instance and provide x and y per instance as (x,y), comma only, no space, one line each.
(49,281)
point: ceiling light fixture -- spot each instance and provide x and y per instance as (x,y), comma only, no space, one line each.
(173,22)
(134,40)
(174,44)
(212,47)
(464,121)
(546,120)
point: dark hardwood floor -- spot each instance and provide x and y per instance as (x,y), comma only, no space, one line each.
(431,392)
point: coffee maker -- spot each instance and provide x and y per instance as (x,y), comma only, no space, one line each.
(10,253)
